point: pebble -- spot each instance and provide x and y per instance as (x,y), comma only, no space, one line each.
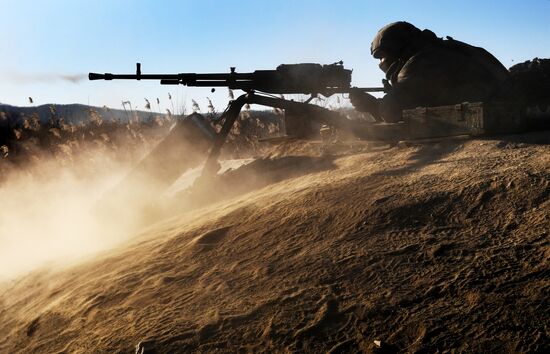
(145,347)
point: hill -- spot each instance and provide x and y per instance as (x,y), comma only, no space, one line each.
(433,247)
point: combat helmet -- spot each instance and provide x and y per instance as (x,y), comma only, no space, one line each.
(393,39)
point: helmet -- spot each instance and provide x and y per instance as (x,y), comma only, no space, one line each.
(393,39)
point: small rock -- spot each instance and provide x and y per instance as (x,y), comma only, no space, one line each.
(381,347)
(33,326)
(381,200)
(145,347)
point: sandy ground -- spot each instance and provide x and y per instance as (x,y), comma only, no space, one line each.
(426,248)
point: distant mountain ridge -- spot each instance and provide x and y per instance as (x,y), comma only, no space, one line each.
(73,113)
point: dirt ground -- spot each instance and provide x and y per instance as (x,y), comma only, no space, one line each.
(438,247)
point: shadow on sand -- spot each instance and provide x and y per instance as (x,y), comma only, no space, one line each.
(255,175)
(430,153)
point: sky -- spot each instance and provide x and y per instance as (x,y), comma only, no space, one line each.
(43,42)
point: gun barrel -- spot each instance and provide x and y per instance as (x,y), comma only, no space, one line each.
(337,90)
(188,79)
(96,76)
(109,76)
(372,89)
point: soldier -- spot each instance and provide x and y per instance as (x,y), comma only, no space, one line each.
(424,70)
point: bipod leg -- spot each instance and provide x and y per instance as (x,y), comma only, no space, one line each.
(231,113)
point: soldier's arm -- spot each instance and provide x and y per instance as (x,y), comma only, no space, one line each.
(365,102)
(417,83)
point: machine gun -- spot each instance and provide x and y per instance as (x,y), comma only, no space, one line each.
(259,87)
(306,78)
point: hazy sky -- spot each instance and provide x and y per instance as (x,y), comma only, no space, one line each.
(43,41)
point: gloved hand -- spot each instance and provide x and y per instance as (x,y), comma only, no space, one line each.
(356,96)
(364,102)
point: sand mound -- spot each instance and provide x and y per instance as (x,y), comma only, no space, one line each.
(437,246)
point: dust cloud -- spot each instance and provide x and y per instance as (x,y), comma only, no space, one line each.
(59,216)
(27,78)
(52,218)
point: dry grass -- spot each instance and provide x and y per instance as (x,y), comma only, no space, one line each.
(26,143)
